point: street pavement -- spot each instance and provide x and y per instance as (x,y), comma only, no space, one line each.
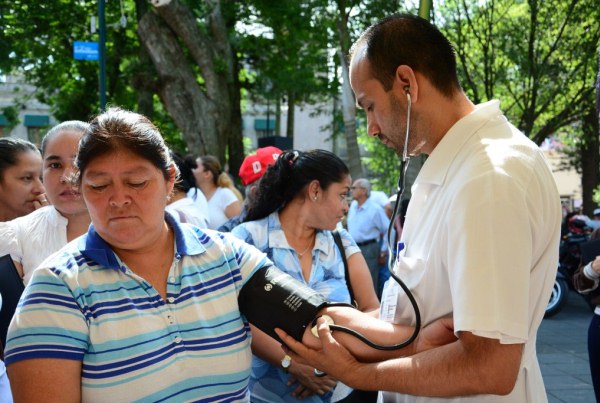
(562,353)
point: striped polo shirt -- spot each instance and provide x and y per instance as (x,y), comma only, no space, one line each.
(84,304)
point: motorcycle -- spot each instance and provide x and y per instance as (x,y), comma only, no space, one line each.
(569,259)
(560,294)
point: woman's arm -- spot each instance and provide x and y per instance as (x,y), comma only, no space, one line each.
(586,278)
(269,349)
(233,209)
(45,380)
(362,284)
(438,333)
(19,268)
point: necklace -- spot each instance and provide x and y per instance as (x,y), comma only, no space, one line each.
(300,254)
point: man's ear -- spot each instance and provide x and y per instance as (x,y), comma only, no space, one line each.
(405,81)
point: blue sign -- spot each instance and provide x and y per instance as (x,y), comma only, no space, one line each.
(85,50)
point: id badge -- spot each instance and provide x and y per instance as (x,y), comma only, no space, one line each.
(389,296)
(389,300)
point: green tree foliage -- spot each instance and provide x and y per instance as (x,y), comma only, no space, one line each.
(538,58)
(535,56)
(286,50)
(37,41)
(349,19)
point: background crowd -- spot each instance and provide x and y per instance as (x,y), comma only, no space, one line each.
(137,304)
(42,210)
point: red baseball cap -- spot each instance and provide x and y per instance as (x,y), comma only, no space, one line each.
(255,165)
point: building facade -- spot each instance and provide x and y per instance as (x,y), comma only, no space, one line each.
(21,114)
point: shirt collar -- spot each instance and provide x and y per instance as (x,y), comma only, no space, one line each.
(436,166)
(277,237)
(188,241)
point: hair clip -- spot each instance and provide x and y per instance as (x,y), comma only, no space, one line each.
(296,154)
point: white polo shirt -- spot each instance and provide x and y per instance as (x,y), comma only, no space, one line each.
(481,240)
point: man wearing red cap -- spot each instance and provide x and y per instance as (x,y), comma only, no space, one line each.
(252,169)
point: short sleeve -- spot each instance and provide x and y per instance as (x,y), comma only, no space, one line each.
(227,197)
(48,323)
(9,241)
(241,232)
(491,252)
(247,257)
(350,246)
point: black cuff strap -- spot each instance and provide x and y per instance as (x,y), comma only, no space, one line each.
(272,298)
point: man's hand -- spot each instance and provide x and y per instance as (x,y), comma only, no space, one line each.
(332,358)
(337,361)
(596,265)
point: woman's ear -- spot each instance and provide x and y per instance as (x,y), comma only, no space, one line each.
(172,177)
(314,190)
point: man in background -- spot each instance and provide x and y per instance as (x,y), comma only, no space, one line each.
(367,223)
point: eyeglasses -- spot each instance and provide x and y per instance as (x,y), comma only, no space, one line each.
(355,187)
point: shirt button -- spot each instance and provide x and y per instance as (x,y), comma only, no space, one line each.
(177,339)
(171,300)
(172,279)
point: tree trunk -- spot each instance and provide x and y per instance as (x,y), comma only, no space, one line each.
(235,142)
(348,101)
(590,161)
(208,115)
(349,116)
(291,117)
(178,89)
(143,78)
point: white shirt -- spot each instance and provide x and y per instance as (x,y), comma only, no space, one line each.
(32,238)
(199,200)
(481,240)
(217,204)
(186,211)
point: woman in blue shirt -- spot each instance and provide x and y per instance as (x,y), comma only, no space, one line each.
(298,203)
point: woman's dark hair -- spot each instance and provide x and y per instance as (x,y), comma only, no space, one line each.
(10,150)
(185,178)
(190,161)
(69,125)
(406,39)
(121,130)
(290,174)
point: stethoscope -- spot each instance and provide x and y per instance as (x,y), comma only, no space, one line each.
(390,246)
(401,186)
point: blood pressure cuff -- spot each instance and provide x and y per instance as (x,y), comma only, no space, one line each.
(272,298)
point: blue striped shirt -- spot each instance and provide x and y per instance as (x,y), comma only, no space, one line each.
(84,304)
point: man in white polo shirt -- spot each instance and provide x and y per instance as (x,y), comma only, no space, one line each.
(481,233)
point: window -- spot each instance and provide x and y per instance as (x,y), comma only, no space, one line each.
(264,127)
(36,125)
(3,124)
